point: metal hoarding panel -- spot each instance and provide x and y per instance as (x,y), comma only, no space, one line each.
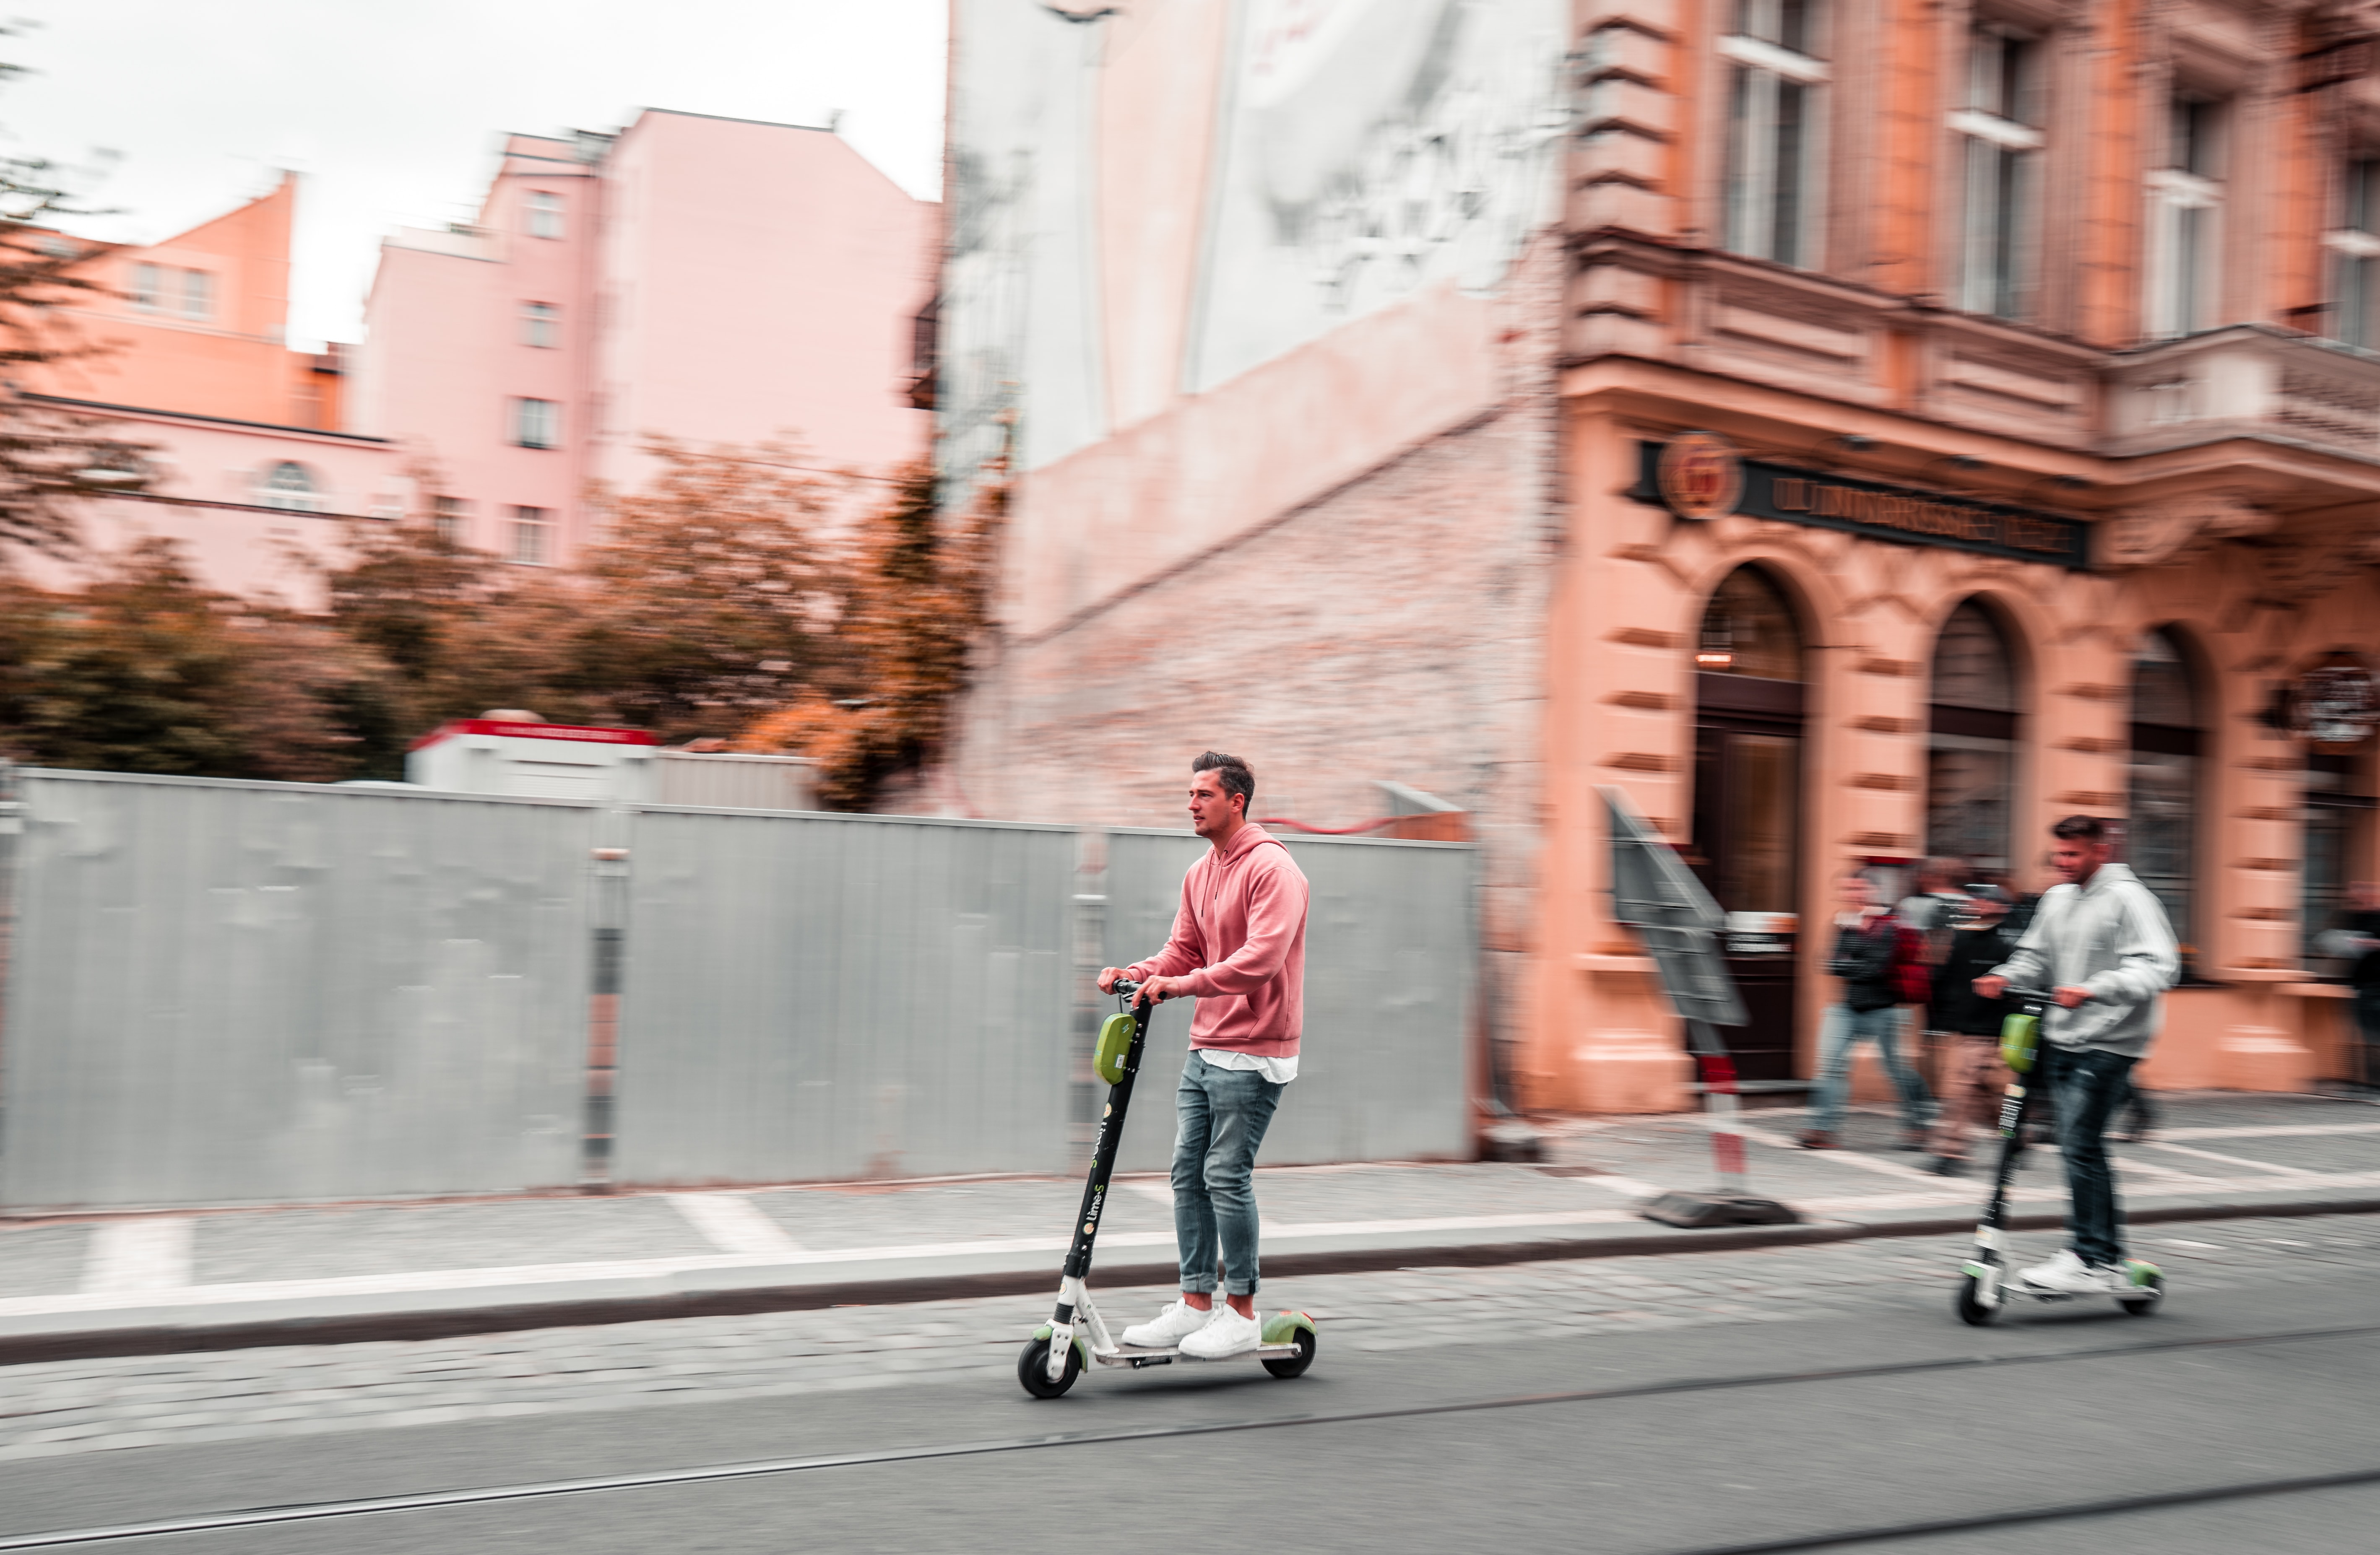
(1390,955)
(264,992)
(813,997)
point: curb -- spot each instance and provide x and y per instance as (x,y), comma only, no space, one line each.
(503,1317)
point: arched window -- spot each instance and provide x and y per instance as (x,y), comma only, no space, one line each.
(1970,741)
(1748,629)
(1747,808)
(289,484)
(2161,841)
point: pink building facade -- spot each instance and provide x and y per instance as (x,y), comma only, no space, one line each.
(702,279)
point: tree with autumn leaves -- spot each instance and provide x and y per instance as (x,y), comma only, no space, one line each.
(735,599)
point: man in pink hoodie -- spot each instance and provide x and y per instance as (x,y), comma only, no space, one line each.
(1239,948)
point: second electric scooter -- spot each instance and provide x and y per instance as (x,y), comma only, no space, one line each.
(1985,1283)
(1075,1335)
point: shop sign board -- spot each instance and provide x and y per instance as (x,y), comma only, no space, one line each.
(1689,483)
(2336,702)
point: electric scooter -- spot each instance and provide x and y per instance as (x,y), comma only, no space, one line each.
(1075,1336)
(1987,1283)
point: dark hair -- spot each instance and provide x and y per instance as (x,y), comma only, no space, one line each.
(2079,828)
(1230,771)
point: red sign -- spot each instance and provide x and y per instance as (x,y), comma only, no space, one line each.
(579,732)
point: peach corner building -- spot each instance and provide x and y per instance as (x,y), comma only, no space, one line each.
(706,279)
(1856,430)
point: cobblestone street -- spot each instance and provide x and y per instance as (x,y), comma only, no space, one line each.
(83,1407)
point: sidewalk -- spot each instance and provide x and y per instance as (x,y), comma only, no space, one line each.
(131,1284)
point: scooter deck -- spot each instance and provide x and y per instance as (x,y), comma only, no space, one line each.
(1126,1354)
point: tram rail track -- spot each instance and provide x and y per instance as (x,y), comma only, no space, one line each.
(433,1500)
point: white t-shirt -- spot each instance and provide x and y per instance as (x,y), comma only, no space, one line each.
(1280,1071)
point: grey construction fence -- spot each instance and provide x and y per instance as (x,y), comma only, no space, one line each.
(224,993)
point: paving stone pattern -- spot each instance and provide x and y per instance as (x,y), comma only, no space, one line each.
(58,1408)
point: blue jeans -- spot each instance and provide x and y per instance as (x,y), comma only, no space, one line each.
(1223,1117)
(2089,1085)
(1845,1027)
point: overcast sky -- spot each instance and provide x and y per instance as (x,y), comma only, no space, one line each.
(392,112)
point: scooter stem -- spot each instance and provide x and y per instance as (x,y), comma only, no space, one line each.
(1103,1154)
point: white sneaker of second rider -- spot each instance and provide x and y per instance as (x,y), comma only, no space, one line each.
(1168,1328)
(1227,1335)
(2067,1271)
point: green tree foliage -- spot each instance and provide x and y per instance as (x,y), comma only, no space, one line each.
(145,671)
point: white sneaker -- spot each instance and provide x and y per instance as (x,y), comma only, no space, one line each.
(1227,1335)
(2067,1273)
(1170,1328)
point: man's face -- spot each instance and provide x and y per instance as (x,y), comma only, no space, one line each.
(2076,859)
(1857,892)
(1212,809)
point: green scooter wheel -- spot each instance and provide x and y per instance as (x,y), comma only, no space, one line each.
(1033,1368)
(1971,1310)
(2142,1306)
(1294,1366)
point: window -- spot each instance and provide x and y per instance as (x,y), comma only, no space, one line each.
(2355,244)
(148,288)
(2337,798)
(537,424)
(2185,219)
(541,324)
(197,294)
(450,519)
(1775,93)
(544,212)
(1748,629)
(290,485)
(2001,129)
(1971,743)
(531,529)
(2161,844)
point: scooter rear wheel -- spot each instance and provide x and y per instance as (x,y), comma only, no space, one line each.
(1971,1310)
(1033,1368)
(1294,1366)
(2143,1305)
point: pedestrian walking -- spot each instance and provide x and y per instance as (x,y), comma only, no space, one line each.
(2101,944)
(1238,947)
(1927,914)
(1973,1076)
(1867,945)
(2357,941)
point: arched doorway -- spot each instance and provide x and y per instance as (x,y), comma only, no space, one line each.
(1971,743)
(1747,814)
(2161,840)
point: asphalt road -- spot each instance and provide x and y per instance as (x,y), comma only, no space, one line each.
(1825,1422)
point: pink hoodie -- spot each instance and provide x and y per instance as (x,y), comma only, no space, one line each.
(1241,936)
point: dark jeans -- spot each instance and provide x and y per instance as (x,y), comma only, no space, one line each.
(1221,1117)
(2088,1085)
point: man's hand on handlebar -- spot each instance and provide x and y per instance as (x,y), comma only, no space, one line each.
(1156,989)
(1991,987)
(2070,996)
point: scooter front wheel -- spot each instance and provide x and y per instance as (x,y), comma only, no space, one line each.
(1971,1310)
(1033,1368)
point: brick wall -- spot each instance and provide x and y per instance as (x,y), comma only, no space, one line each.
(1393,628)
